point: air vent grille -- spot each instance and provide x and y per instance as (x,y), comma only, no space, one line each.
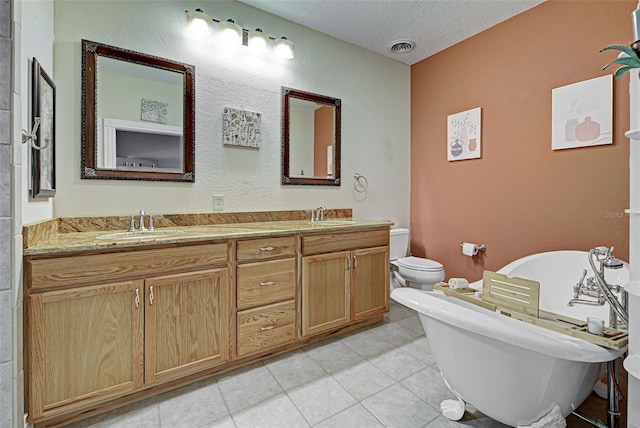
(401,46)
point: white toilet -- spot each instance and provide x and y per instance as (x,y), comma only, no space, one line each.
(411,271)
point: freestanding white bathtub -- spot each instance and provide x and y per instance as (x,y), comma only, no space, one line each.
(512,371)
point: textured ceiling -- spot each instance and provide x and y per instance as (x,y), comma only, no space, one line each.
(433,25)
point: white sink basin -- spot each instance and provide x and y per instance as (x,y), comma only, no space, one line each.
(137,235)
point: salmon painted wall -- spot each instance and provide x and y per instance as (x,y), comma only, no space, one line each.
(520,197)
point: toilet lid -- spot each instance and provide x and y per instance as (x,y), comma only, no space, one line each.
(418,263)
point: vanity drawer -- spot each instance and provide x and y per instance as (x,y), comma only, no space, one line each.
(259,249)
(266,327)
(331,242)
(99,268)
(265,282)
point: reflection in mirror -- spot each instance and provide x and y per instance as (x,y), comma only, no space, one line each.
(137,116)
(310,138)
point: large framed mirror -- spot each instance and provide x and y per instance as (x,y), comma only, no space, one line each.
(137,116)
(310,138)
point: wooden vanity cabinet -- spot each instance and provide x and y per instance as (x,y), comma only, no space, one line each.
(266,290)
(89,339)
(186,323)
(345,278)
(85,345)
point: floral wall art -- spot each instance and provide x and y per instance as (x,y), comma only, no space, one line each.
(241,128)
(582,114)
(154,111)
(463,135)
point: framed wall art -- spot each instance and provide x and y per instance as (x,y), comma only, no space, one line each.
(43,146)
(463,135)
(582,114)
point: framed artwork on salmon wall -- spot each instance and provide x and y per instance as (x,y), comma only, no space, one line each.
(582,114)
(463,135)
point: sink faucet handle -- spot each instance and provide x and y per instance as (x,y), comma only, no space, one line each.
(312,211)
(132,222)
(151,217)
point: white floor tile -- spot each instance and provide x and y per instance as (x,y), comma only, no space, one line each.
(429,386)
(398,364)
(420,349)
(276,412)
(367,343)
(193,405)
(333,356)
(363,380)
(395,333)
(294,368)
(397,407)
(412,323)
(354,417)
(248,388)
(398,312)
(320,399)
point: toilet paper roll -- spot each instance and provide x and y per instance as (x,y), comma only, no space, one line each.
(458,283)
(469,249)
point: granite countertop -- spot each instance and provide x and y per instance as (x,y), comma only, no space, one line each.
(97,240)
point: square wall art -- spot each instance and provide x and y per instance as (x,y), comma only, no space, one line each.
(582,114)
(241,128)
(463,135)
(154,111)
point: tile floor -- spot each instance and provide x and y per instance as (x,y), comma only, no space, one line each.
(381,376)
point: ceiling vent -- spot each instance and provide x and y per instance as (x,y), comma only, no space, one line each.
(401,46)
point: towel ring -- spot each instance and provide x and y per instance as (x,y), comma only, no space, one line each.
(360,184)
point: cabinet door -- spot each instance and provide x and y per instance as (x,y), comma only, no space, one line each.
(186,323)
(370,282)
(325,292)
(84,345)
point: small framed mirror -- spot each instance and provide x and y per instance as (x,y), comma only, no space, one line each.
(137,116)
(310,138)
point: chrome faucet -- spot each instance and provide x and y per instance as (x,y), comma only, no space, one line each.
(598,288)
(141,220)
(320,213)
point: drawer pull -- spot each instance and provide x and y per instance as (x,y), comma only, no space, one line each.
(269,248)
(151,295)
(137,298)
(348,260)
(268,283)
(269,327)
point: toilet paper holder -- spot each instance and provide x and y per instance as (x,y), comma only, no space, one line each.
(481,247)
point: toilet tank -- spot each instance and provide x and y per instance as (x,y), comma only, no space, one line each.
(398,243)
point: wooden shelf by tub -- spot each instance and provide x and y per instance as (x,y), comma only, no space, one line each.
(612,338)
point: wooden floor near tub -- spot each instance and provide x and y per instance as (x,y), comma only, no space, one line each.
(596,407)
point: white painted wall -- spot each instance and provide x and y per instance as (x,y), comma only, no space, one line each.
(36,40)
(375,92)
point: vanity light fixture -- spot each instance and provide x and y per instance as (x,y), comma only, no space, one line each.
(283,48)
(233,34)
(258,41)
(199,23)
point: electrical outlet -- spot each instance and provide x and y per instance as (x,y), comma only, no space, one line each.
(218,202)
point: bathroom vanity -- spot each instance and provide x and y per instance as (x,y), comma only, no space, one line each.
(110,320)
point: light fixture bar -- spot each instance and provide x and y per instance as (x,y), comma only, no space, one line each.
(202,24)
